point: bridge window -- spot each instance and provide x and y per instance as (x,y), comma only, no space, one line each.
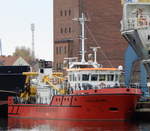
(73,77)
(116,77)
(70,76)
(102,77)
(94,77)
(78,77)
(85,77)
(110,77)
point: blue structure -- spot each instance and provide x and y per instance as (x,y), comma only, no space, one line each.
(130,58)
(143,80)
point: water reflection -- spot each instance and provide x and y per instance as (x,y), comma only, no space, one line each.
(3,124)
(63,125)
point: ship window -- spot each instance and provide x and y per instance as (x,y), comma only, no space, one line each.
(53,92)
(110,77)
(113,109)
(85,77)
(78,77)
(102,77)
(73,77)
(45,100)
(148,37)
(94,77)
(41,70)
(70,76)
(116,78)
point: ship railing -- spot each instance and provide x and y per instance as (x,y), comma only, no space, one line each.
(132,23)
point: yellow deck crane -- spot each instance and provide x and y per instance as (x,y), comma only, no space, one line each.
(29,90)
(57,78)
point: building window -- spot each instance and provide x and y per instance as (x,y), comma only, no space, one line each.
(60,66)
(65,49)
(61,13)
(69,29)
(69,12)
(61,50)
(57,50)
(61,30)
(65,13)
(65,30)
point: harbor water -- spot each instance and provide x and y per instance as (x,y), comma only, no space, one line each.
(13,124)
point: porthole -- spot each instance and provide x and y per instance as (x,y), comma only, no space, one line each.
(113,109)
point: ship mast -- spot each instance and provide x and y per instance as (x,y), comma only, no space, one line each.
(82,20)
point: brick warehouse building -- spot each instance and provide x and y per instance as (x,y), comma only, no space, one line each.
(102,29)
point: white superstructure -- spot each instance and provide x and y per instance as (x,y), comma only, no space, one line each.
(83,75)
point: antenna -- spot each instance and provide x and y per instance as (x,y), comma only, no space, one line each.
(95,55)
(82,22)
(32,30)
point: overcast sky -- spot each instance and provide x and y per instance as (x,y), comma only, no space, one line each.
(16,17)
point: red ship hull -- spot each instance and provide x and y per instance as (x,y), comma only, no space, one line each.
(102,104)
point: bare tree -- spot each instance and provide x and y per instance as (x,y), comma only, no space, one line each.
(24,53)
